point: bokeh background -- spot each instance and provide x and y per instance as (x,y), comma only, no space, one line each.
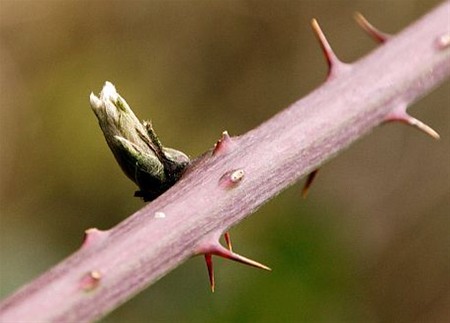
(370,244)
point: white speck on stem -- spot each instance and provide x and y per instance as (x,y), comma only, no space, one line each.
(159,215)
(237,175)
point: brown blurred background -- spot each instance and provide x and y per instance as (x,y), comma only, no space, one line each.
(370,244)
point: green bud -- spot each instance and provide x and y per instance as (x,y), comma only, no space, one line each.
(136,146)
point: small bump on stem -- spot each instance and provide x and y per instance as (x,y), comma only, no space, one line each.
(232,178)
(443,41)
(93,236)
(91,280)
(224,145)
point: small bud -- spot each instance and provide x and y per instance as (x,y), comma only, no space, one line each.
(136,146)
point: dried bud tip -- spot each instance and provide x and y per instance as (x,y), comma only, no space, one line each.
(96,103)
(373,32)
(109,92)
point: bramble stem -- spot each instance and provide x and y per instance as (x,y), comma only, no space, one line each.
(147,245)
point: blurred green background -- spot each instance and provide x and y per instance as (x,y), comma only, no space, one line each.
(370,244)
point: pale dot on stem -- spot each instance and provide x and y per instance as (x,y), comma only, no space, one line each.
(237,175)
(159,215)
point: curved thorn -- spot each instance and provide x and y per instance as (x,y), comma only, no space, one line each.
(209,265)
(400,114)
(210,246)
(332,60)
(309,182)
(372,31)
(225,253)
(228,240)
(421,126)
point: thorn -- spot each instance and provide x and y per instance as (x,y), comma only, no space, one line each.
(93,235)
(91,280)
(232,178)
(372,31)
(402,116)
(224,145)
(211,246)
(309,182)
(421,126)
(209,265)
(228,240)
(227,254)
(334,64)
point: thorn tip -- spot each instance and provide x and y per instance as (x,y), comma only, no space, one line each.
(210,267)
(228,241)
(225,253)
(373,32)
(334,64)
(423,127)
(401,115)
(224,145)
(308,183)
(211,246)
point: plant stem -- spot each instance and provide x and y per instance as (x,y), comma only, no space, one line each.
(114,265)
